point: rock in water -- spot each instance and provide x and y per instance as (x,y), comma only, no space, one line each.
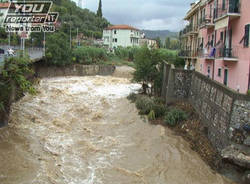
(238,156)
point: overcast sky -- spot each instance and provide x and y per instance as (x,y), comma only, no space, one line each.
(143,14)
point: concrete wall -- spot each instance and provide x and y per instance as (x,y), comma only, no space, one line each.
(42,71)
(224,112)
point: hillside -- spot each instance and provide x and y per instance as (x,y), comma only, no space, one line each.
(160,33)
(86,21)
(71,16)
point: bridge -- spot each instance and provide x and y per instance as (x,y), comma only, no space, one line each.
(33,52)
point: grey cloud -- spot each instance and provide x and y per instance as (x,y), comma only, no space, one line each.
(144,14)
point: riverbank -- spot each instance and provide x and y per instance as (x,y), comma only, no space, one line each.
(193,131)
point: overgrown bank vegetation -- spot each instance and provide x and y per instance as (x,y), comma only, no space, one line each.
(14,76)
(180,117)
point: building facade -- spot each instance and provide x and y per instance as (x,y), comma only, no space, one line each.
(121,36)
(221,48)
(151,43)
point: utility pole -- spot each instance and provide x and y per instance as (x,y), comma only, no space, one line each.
(77,37)
(24,38)
(44,42)
(70,45)
(9,39)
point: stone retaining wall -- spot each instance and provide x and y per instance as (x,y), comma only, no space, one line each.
(42,71)
(225,113)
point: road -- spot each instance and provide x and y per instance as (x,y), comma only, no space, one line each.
(34,53)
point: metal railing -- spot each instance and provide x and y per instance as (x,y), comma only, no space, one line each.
(33,52)
(192,28)
(207,19)
(231,6)
(188,53)
(207,52)
(225,52)
(220,52)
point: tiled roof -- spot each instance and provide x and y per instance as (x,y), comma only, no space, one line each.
(121,27)
(4,5)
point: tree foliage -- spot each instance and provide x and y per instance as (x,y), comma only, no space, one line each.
(172,44)
(72,17)
(99,11)
(58,50)
(89,55)
(147,64)
(15,72)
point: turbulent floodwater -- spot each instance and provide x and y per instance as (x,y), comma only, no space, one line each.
(83,130)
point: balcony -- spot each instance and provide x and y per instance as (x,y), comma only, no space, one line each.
(230,9)
(191,29)
(188,53)
(207,53)
(207,22)
(228,54)
(183,53)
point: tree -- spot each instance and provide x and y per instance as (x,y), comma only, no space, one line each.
(57,49)
(174,44)
(167,43)
(158,41)
(147,63)
(99,11)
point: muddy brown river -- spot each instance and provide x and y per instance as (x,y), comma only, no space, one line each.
(83,130)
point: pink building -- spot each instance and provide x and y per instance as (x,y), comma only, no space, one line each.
(224,42)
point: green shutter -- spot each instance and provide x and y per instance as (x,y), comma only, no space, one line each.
(247,35)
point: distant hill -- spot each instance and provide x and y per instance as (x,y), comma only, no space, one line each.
(161,33)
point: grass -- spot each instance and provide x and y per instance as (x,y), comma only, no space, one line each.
(117,62)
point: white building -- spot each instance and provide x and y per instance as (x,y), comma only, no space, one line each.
(121,35)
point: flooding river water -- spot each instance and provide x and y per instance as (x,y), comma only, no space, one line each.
(83,130)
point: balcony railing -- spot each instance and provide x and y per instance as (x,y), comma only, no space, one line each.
(231,54)
(183,53)
(207,53)
(231,7)
(188,53)
(189,29)
(207,20)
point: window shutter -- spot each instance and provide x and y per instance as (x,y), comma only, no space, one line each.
(247,35)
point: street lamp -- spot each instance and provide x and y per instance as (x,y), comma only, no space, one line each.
(70,45)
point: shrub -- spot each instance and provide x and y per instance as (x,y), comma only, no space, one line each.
(127,53)
(151,115)
(144,104)
(174,116)
(159,110)
(58,51)
(248,92)
(89,55)
(132,97)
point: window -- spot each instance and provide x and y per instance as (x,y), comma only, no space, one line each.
(211,10)
(212,41)
(221,35)
(115,31)
(219,72)
(223,4)
(247,36)
(115,40)
(208,71)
